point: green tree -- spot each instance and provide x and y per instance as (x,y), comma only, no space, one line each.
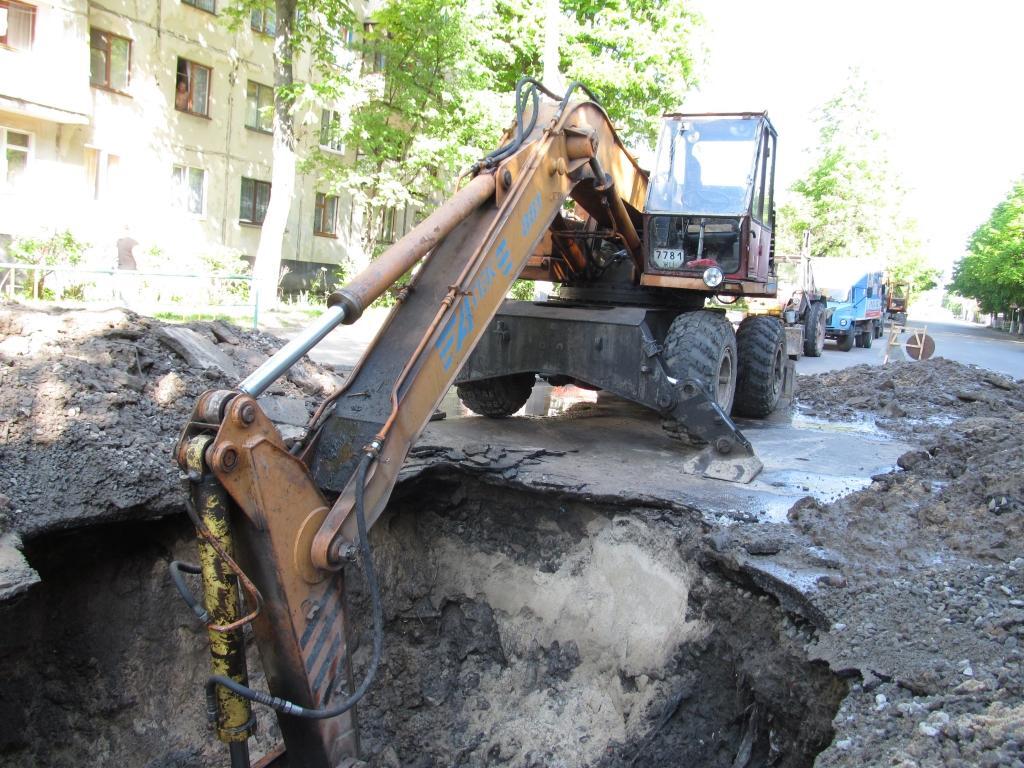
(636,55)
(316,27)
(992,272)
(851,199)
(426,111)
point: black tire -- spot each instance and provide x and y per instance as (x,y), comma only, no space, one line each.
(814,331)
(845,343)
(701,345)
(868,338)
(879,329)
(498,397)
(761,347)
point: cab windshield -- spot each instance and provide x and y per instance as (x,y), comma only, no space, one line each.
(704,166)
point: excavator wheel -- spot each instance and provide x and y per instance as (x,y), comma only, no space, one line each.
(761,342)
(701,345)
(814,331)
(498,397)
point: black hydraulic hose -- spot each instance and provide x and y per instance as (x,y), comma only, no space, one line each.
(177,568)
(535,86)
(290,708)
(521,132)
(239,753)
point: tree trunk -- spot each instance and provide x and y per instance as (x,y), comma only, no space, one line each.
(552,39)
(267,269)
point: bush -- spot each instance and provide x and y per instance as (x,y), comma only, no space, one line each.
(61,249)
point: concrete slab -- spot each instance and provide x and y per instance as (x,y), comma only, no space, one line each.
(613,448)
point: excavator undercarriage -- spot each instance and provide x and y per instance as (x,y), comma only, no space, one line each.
(277,526)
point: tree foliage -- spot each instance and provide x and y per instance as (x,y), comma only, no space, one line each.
(851,199)
(425,110)
(447,70)
(993,269)
(426,87)
(635,55)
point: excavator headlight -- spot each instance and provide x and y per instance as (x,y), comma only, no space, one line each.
(713,277)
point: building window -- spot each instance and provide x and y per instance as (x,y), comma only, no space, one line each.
(325,215)
(373,58)
(110,57)
(17,24)
(330,130)
(259,107)
(102,174)
(17,149)
(264,21)
(210,6)
(255,198)
(192,88)
(189,189)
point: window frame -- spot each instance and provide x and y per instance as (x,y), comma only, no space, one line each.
(261,29)
(334,118)
(320,208)
(259,88)
(256,186)
(209,87)
(32,29)
(106,86)
(195,4)
(29,151)
(186,168)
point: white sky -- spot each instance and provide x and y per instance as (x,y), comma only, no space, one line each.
(944,76)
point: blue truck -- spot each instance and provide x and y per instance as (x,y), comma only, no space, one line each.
(855,291)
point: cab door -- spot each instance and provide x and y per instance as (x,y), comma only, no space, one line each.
(762,210)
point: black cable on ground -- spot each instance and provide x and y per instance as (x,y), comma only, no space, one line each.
(177,568)
(290,708)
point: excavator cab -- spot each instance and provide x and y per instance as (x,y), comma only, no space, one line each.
(708,217)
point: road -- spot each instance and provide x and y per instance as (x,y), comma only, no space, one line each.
(954,340)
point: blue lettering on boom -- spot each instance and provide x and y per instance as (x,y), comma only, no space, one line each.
(460,325)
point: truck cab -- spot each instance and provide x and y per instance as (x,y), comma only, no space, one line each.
(709,213)
(855,293)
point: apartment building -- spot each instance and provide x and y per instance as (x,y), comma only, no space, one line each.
(152,118)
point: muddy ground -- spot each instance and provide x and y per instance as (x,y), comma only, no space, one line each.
(525,625)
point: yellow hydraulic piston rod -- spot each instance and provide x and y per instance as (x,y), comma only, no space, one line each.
(230,713)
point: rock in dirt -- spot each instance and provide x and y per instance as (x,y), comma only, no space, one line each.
(197,351)
(16,575)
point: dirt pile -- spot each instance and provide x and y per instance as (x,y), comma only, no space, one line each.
(929,612)
(910,399)
(91,404)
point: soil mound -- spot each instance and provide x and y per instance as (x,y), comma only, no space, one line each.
(909,398)
(91,404)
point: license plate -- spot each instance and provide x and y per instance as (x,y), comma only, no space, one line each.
(667,258)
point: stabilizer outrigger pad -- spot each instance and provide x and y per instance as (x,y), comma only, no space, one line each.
(728,454)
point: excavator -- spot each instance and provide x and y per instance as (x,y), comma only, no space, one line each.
(637,257)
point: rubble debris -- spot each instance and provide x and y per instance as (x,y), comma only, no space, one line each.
(908,398)
(91,404)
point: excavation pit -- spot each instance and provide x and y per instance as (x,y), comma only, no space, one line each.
(522,629)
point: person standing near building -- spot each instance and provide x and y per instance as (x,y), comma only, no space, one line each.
(126,284)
